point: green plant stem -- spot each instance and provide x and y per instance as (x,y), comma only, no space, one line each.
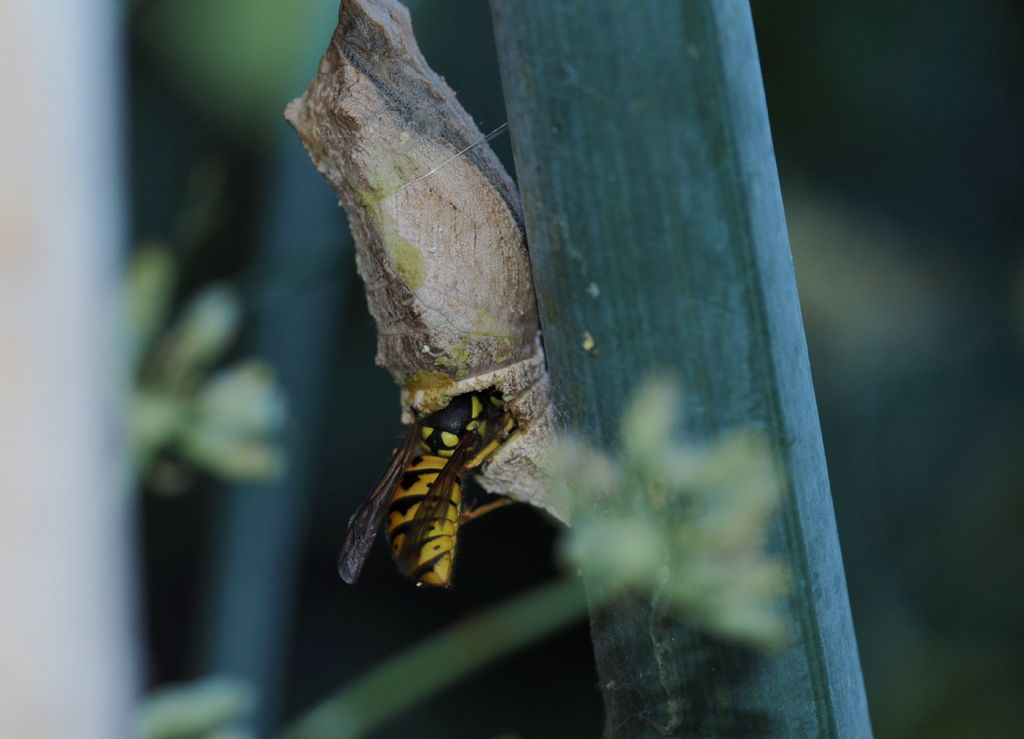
(255,565)
(658,243)
(441,660)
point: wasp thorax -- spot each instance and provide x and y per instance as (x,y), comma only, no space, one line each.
(442,430)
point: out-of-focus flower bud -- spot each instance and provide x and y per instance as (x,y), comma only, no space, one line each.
(684,523)
(242,398)
(648,421)
(154,420)
(201,336)
(150,285)
(230,455)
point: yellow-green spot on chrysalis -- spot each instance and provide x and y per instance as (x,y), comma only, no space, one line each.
(456,358)
(408,263)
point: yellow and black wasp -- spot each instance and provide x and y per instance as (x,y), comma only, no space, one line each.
(419,496)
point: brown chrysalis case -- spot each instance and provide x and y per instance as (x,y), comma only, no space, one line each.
(439,235)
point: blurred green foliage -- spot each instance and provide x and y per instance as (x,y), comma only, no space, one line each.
(237,59)
(400,682)
(219,421)
(212,708)
(684,524)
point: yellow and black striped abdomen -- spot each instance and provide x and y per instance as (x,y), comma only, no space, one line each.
(433,560)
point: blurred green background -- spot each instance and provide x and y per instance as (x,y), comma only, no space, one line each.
(898,129)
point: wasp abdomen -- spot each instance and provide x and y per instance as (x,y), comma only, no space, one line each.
(432,563)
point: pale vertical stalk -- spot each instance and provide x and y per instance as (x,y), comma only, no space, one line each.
(65,653)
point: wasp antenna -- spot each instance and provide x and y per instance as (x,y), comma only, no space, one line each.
(496,132)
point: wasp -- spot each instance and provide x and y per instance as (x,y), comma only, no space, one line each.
(419,496)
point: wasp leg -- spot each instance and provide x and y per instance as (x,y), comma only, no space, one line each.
(508,430)
(475,512)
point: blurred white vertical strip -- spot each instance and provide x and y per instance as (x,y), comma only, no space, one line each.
(65,634)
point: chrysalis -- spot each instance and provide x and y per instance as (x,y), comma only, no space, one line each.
(439,235)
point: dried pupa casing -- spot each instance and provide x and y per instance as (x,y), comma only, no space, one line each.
(439,235)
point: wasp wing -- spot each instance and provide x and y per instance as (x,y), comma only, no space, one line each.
(363,526)
(434,507)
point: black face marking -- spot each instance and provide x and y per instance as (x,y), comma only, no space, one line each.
(435,443)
